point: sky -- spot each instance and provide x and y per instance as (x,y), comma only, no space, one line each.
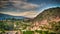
(27,8)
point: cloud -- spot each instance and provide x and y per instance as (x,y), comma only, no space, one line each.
(23,8)
(19,4)
(30,14)
(24,5)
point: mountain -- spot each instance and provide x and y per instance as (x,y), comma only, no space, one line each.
(47,19)
(48,14)
(6,16)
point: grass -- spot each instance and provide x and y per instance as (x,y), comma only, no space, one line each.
(38,31)
(28,32)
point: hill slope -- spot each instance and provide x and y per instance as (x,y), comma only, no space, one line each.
(48,14)
(42,20)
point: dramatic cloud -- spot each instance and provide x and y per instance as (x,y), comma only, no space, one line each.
(27,8)
(19,4)
(30,14)
(24,5)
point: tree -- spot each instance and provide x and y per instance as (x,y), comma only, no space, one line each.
(55,26)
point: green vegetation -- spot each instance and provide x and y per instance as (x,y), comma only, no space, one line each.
(28,32)
(55,26)
(6,25)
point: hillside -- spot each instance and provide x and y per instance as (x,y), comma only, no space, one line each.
(48,14)
(47,20)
